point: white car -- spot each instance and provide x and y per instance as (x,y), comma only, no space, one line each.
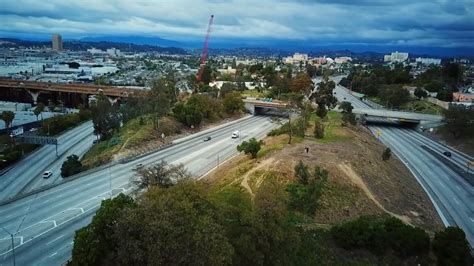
(235,134)
(47,174)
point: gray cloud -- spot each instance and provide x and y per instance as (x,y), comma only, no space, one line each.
(448,23)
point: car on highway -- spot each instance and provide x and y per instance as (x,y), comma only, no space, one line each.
(235,134)
(447,153)
(138,166)
(47,174)
(208,138)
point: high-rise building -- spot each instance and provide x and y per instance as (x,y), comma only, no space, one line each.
(57,41)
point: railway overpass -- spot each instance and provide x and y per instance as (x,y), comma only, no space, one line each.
(72,94)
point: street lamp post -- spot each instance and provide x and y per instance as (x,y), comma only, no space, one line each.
(13,245)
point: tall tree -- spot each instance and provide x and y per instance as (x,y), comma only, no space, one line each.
(39,110)
(105,116)
(7,117)
(302,84)
(324,97)
(347,115)
(94,243)
(162,96)
(233,103)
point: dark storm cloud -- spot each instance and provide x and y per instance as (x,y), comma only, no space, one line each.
(429,23)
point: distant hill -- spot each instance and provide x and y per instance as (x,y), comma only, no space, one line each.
(140,40)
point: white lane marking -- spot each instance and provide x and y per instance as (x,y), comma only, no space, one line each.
(57,238)
(53,254)
(458,187)
(472,219)
(442,184)
(457,202)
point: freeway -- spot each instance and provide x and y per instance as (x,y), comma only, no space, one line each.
(450,193)
(26,174)
(44,223)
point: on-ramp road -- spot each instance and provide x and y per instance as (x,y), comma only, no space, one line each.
(26,174)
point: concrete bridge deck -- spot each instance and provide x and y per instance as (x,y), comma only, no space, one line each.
(88,89)
(399,115)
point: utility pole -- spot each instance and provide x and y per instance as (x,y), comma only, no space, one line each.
(13,245)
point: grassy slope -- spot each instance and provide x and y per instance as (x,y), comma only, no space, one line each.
(131,134)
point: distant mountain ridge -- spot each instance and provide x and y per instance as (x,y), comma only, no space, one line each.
(140,40)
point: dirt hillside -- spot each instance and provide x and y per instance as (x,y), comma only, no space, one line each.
(359,181)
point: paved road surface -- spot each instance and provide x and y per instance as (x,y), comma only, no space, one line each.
(47,220)
(452,196)
(26,174)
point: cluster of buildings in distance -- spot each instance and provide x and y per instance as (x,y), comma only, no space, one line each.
(298,58)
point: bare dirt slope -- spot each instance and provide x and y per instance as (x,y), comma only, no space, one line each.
(359,181)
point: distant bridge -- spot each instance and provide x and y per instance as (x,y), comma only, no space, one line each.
(35,88)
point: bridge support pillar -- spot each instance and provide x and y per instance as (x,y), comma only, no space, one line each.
(34,95)
(250,107)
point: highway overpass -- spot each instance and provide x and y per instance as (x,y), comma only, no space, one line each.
(406,117)
(256,106)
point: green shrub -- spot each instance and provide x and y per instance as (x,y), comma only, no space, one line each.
(406,240)
(252,146)
(451,247)
(387,153)
(71,166)
(304,196)
(380,235)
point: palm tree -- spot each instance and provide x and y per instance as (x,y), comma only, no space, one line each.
(7,117)
(39,110)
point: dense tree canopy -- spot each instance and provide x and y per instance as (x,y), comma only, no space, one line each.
(460,120)
(105,116)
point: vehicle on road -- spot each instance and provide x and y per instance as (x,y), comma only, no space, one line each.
(235,134)
(47,174)
(447,153)
(95,141)
(138,166)
(208,138)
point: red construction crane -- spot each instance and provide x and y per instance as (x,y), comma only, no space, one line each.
(204,50)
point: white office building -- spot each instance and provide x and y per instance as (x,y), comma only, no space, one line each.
(396,57)
(296,58)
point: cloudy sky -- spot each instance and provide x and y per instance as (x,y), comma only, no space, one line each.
(425,23)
